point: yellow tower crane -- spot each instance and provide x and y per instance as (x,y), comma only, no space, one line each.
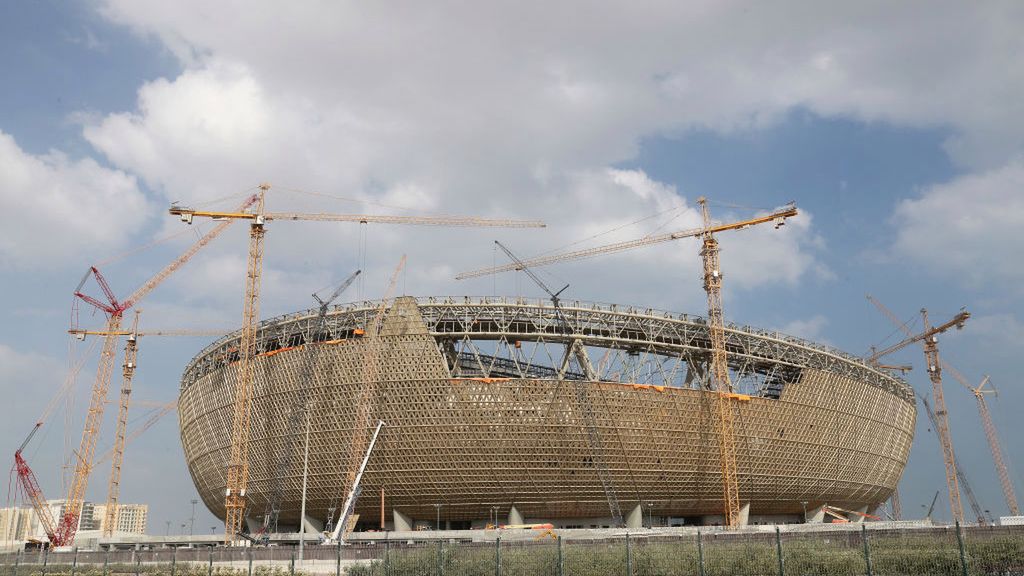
(238,466)
(67,526)
(724,408)
(931,352)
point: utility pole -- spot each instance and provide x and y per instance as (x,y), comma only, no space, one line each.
(192,519)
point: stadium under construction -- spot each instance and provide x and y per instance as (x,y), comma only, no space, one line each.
(511,410)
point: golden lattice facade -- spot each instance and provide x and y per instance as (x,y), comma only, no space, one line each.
(490,403)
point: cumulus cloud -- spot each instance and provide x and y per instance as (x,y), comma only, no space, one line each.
(968,229)
(65,208)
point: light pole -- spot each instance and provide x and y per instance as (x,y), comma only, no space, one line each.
(167,532)
(192,518)
(305,475)
(438,506)
(804,504)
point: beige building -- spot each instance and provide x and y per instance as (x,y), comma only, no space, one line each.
(131,518)
(21,524)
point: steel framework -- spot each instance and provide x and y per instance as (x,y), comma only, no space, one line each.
(479,413)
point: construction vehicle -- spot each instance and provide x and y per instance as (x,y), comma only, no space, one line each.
(724,415)
(931,351)
(342,528)
(64,530)
(299,406)
(931,508)
(597,454)
(238,466)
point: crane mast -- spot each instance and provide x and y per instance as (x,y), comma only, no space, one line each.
(238,465)
(117,459)
(931,353)
(725,415)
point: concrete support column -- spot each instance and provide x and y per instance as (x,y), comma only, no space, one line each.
(635,518)
(403,523)
(744,518)
(514,517)
(311,525)
(253,525)
(815,515)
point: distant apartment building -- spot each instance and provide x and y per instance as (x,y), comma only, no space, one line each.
(131,518)
(21,524)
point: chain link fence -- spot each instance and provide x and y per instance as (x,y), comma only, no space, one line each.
(951,551)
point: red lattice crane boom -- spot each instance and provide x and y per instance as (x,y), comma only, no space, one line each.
(67,526)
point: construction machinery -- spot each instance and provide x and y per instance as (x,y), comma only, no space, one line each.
(931,508)
(961,477)
(114,486)
(582,395)
(724,412)
(238,467)
(986,417)
(992,436)
(337,536)
(934,367)
(299,406)
(66,528)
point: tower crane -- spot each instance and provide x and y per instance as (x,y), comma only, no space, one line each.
(238,468)
(961,477)
(931,352)
(299,405)
(114,485)
(986,417)
(582,396)
(724,414)
(65,529)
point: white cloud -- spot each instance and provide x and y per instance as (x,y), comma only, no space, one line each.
(60,209)
(968,229)
(810,328)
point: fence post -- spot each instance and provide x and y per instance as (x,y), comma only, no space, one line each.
(440,551)
(700,554)
(629,557)
(778,550)
(138,562)
(963,555)
(337,566)
(387,556)
(74,562)
(291,565)
(249,551)
(561,560)
(17,560)
(867,549)
(106,561)
(174,559)
(46,558)
(497,556)
(209,569)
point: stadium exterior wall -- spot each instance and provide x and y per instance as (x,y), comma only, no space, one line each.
(838,432)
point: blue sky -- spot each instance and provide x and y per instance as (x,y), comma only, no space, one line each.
(898,132)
